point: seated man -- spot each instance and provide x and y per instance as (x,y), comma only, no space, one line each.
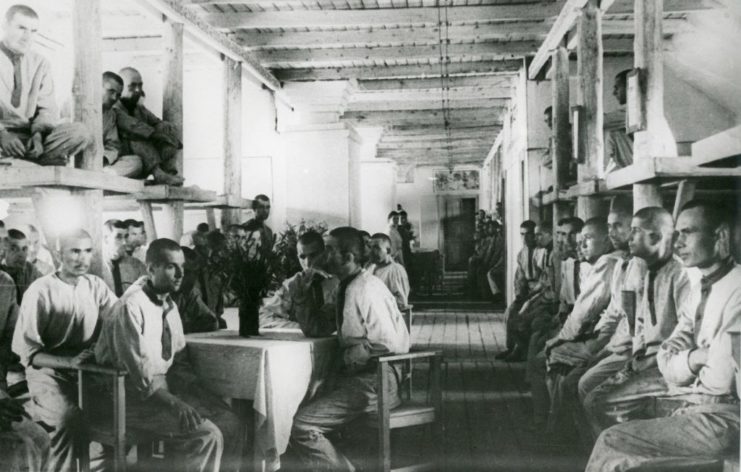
(306,300)
(700,418)
(24,445)
(119,270)
(526,277)
(575,356)
(156,142)
(113,162)
(57,324)
(143,335)
(195,315)
(369,325)
(136,239)
(8,319)
(38,254)
(29,126)
(16,262)
(629,394)
(391,273)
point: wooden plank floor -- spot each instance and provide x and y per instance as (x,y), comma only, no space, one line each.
(487,402)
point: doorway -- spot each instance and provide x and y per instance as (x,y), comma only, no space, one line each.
(458,228)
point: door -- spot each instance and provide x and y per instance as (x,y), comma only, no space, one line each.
(458,228)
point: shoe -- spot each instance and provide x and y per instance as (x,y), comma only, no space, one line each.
(162,177)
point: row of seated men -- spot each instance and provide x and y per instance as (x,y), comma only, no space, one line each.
(137,143)
(625,328)
(486,266)
(70,317)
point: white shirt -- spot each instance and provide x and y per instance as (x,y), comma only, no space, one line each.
(59,318)
(394,276)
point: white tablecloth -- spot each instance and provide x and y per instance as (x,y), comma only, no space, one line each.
(277,371)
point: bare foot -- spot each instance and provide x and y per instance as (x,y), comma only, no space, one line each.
(162,177)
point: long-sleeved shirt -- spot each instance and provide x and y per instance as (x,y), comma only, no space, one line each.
(397,244)
(111,142)
(526,274)
(37,110)
(130,270)
(136,125)
(616,321)
(593,298)
(666,292)
(60,318)
(195,315)
(8,319)
(296,305)
(370,324)
(569,287)
(722,311)
(394,276)
(132,338)
(23,277)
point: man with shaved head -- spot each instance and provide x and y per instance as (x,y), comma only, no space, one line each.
(142,133)
(666,290)
(29,117)
(114,161)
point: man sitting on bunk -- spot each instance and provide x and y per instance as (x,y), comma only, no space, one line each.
(700,417)
(666,293)
(618,143)
(16,262)
(391,273)
(308,299)
(576,355)
(57,326)
(142,133)
(144,336)
(369,325)
(113,162)
(526,277)
(119,270)
(29,121)
(195,315)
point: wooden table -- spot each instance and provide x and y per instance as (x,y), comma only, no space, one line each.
(275,371)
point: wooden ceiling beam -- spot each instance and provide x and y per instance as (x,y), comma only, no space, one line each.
(378,17)
(441,135)
(416,95)
(428,104)
(474,83)
(484,68)
(441,144)
(298,58)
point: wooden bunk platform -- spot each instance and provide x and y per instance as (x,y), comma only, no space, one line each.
(20,178)
(663,169)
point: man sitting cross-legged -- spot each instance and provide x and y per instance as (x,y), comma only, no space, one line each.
(144,336)
(628,394)
(526,277)
(57,325)
(369,325)
(571,358)
(700,416)
(306,300)
(391,273)
(143,134)
(114,162)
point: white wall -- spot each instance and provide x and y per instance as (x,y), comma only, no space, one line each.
(378,194)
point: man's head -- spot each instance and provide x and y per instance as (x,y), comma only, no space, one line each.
(75,249)
(619,90)
(543,235)
(17,248)
(594,239)
(165,261)
(114,239)
(651,234)
(548,117)
(200,237)
(403,217)
(393,218)
(527,233)
(20,28)
(310,249)
(380,249)
(133,88)
(136,236)
(703,233)
(112,87)
(618,222)
(261,207)
(236,234)
(566,233)
(343,248)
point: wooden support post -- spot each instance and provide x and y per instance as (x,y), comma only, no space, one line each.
(685,193)
(561,131)
(89,111)
(211,218)
(590,71)
(232,137)
(657,139)
(148,218)
(172,111)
